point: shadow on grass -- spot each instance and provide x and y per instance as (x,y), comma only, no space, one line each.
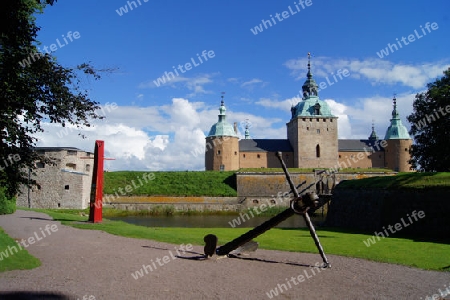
(416,238)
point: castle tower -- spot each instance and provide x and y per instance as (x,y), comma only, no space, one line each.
(373,135)
(398,144)
(222,145)
(312,130)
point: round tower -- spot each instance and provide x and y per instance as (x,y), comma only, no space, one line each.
(222,145)
(398,144)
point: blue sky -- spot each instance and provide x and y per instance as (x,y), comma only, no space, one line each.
(151,127)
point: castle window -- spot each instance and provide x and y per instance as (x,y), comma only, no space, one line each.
(317,120)
(317,109)
(324,120)
(218,152)
(235,152)
(339,156)
(88,168)
(331,120)
(310,120)
(71,166)
(258,156)
(406,149)
(318,130)
(317,151)
(304,119)
(66,187)
(243,155)
(307,128)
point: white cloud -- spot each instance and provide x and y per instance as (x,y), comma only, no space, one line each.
(251,82)
(193,84)
(376,71)
(283,105)
(127,132)
(340,111)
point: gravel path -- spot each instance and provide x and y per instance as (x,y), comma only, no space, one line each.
(97,265)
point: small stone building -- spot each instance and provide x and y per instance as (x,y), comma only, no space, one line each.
(67,184)
(312,141)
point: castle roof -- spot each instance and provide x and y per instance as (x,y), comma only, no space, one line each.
(222,127)
(311,105)
(396,131)
(265,145)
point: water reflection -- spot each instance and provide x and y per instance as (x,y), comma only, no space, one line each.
(211,221)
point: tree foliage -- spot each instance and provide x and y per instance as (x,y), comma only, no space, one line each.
(43,91)
(430,128)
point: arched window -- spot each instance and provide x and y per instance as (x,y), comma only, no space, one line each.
(317,151)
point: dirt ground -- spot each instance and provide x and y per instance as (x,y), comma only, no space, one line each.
(88,264)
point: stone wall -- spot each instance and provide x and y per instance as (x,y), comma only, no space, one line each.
(254,188)
(373,209)
(67,184)
(179,203)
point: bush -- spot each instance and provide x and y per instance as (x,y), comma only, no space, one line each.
(7,205)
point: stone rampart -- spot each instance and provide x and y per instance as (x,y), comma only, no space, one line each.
(376,209)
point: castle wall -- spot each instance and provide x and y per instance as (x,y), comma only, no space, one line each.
(57,185)
(264,159)
(256,187)
(361,159)
(371,209)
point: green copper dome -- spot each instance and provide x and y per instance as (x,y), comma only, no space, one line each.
(222,127)
(310,105)
(396,131)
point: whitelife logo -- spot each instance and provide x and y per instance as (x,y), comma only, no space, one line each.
(31,240)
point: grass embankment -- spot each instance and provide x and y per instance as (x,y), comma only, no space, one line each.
(12,258)
(189,183)
(404,251)
(401,181)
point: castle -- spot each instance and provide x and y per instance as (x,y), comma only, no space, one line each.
(312,141)
(64,184)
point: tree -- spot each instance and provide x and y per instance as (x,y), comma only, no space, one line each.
(43,91)
(430,128)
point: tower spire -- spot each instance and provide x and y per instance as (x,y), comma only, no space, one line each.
(395,114)
(310,87)
(222,108)
(309,74)
(373,135)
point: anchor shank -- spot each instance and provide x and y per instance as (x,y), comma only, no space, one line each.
(306,217)
(248,236)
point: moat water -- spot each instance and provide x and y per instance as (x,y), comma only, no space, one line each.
(211,221)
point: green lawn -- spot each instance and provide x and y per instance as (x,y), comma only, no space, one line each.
(12,260)
(404,251)
(400,181)
(201,183)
